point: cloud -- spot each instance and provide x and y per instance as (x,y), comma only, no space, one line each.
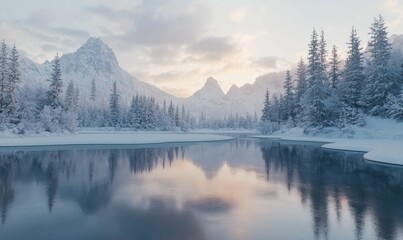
(44,22)
(162,22)
(174,75)
(176,82)
(395,7)
(163,55)
(270,62)
(212,49)
(109,12)
(49,48)
(238,16)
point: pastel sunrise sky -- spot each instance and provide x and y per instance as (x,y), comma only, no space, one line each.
(177,44)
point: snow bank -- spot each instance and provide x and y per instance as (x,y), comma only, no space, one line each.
(224,131)
(380,139)
(381,150)
(108,139)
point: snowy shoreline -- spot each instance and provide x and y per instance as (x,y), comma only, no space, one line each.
(103,138)
(386,151)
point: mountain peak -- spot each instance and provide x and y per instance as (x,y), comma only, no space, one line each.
(210,90)
(94,57)
(95,44)
(234,87)
(211,80)
(234,91)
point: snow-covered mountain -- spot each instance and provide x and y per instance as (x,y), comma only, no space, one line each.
(212,101)
(94,60)
(210,91)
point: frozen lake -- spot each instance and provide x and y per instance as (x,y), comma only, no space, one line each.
(237,190)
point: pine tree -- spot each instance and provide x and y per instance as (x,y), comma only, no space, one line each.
(114,105)
(69,98)
(93,91)
(353,74)
(56,84)
(315,112)
(133,112)
(334,74)
(177,118)
(266,108)
(276,109)
(379,82)
(314,59)
(171,114)
(184,120)
(12,89)
(288,97)
(3,75)
(76,99)
(323,56)
(395,106)
(70,114)
(302,84)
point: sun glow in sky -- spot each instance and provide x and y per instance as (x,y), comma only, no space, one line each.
(177,44)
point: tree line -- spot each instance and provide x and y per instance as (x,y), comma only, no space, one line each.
(325,94)
(33,110)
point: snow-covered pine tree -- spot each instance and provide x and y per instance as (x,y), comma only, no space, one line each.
(288,97)
(323,57)
(142,112)
(3,76)
(56,84)
(334,74)
(271,114)
(301,79)
(314,59)
(379,82)
(51,118)
(164,118)
(76,99)
(151,113)
(29,109)
(93,94)
(350,89)
(177,117)
(114,105)
(69,97)
(52,115)
(184,120)
(12,88)
(395,106)
(266,108)
(315,112)
(133,117)
(171,114)
(353,73)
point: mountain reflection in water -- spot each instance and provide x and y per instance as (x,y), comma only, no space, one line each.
(243,189)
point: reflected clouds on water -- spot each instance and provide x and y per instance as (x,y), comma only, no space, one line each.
(243,189)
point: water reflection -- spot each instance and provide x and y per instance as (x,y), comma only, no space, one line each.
(245,189)
(325,176)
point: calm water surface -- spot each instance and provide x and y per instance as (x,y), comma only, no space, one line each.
(243,189)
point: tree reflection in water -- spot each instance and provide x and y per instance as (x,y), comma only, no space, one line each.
(321,176)
(91,179)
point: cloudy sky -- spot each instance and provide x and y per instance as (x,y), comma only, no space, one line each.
(177,44)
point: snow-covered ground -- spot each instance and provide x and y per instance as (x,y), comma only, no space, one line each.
(225,131)
(107,138)
(380,139)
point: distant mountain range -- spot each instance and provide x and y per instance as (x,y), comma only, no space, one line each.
(95,60)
